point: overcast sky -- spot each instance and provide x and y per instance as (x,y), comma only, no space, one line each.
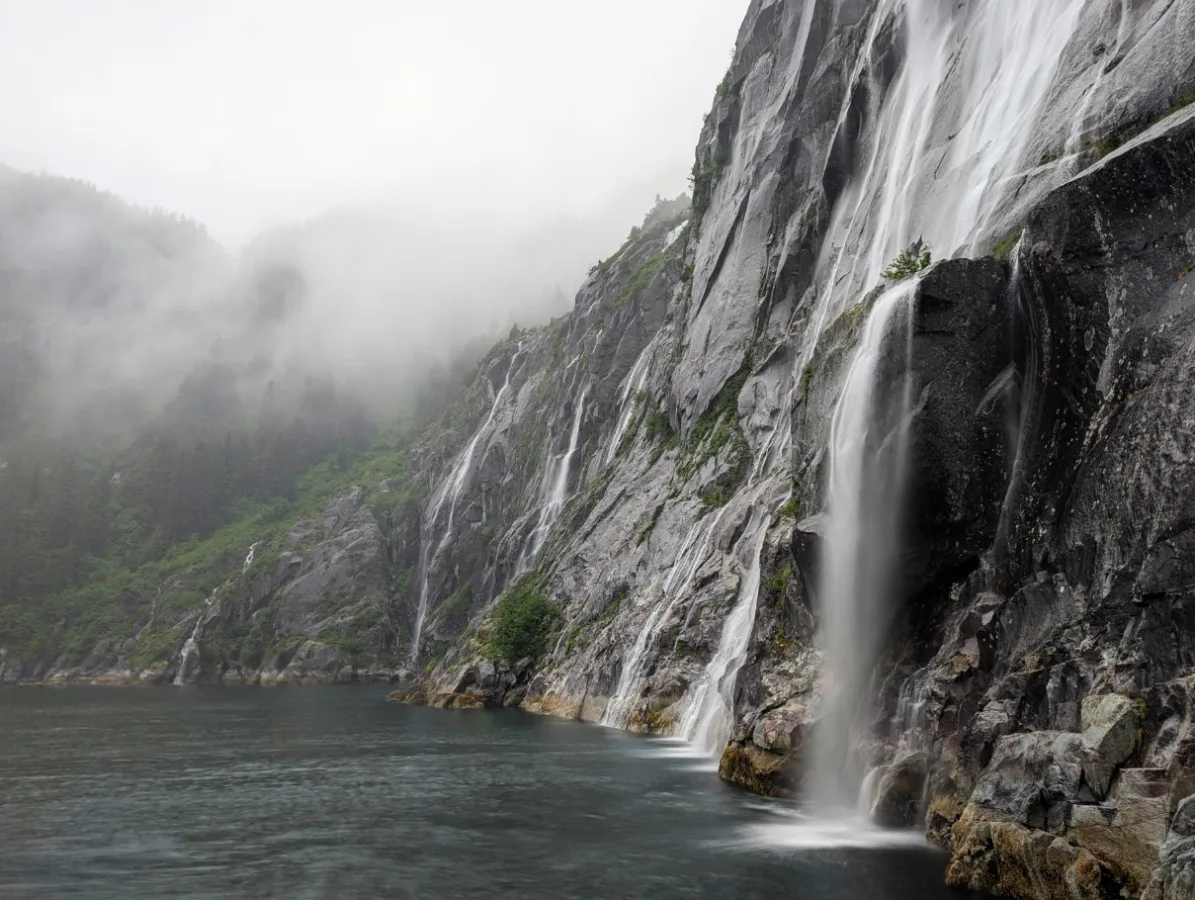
(248,113)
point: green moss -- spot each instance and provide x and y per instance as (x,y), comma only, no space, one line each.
(725,404)
(1008,243)
(640,281)
(846,326)
(702,180)
(780,642)
(573,635)
(776,587)
(155,645)
(1187,270)
(723,86)
(791,509)
(660,434)
(457,603)
(806,379)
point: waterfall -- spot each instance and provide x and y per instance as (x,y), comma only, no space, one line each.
(556,500)
(977,73)
(1025,340)
(708,713)
(944,163)
(627,400)
(693,552)
(868,463)
(449,492)
(249,557)
(190,651)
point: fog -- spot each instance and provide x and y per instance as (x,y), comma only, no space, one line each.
(379,182)
(247,115)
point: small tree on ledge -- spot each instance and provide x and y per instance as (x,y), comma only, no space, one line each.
(916,259)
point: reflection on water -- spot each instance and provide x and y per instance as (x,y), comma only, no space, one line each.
(331,793)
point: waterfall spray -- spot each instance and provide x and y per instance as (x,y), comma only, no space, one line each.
(868,469)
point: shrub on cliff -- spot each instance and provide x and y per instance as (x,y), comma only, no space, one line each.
(909,263)
(522,621)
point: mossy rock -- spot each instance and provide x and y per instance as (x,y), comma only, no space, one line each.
(410,697)
(759,771)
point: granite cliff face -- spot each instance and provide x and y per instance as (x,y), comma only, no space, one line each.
(1026,699)
(660,464)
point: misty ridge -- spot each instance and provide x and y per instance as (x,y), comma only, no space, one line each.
(252,256)
(114,317)
(164,398)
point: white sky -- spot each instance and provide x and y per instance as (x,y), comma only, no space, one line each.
(247,114)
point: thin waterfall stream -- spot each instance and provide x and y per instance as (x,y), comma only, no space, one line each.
(559,494)
(449,493)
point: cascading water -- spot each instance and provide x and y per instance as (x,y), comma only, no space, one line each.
(868,463)
(945,158)
(693,552)
(947,151)
(449,492)
(708,714)
(556,500)
(190,651)
(626,402)
(1025,340)
(249,557)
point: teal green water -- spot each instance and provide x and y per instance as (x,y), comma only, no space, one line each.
(332,793)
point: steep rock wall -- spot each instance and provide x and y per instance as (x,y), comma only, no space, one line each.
(654,464)
(1045,559)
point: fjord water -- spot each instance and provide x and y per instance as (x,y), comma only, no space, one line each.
(330,792)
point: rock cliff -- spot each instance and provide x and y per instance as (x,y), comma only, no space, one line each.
(657,466)
(1028,702)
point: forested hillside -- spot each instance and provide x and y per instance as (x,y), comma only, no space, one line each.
(156,418)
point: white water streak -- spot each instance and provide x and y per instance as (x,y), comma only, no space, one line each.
(868,463)
(693,552)
(628,400)
(949,142)
(190,649)
(708,715)
(947,149)
(556,500)
(449,492)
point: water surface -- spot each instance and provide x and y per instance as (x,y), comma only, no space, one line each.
(331,793)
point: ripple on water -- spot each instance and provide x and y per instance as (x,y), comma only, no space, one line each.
(332,793)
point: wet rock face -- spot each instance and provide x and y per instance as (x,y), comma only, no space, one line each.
(963,361)
(900,793)
(346,566)
(1035,713)
(1110,724)
(1077,755)
(1174,878)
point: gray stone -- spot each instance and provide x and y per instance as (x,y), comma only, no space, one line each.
(899,795)
(1028,772)
(1110,723)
